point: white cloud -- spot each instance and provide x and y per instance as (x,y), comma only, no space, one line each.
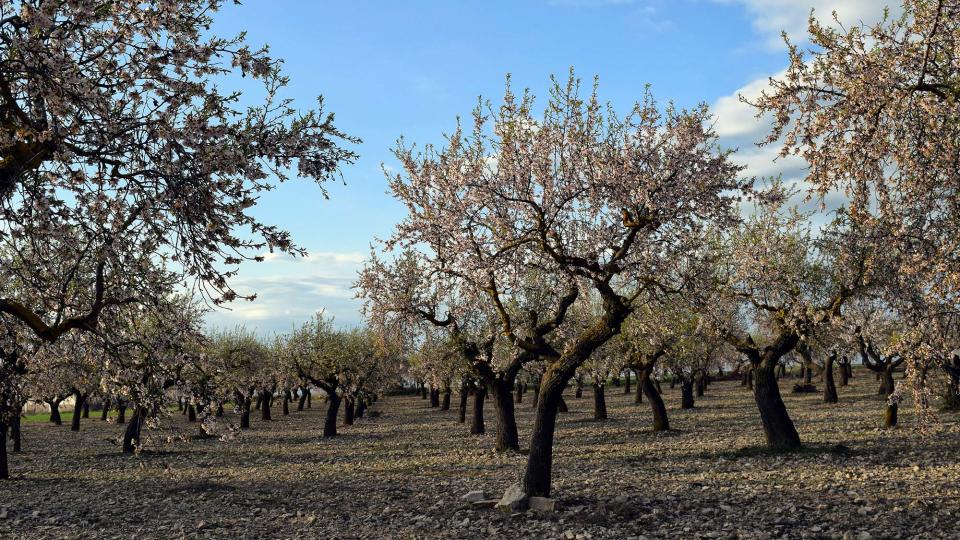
(770,17)
(292,289)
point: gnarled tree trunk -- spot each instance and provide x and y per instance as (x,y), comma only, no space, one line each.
(657,407)
(330,422)
(686,393)
(78,401)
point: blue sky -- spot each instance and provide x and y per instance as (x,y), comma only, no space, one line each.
(389,68)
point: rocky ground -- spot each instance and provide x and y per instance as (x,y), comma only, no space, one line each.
(402,475)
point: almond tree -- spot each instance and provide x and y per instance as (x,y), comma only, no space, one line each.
(118,126)
(596,201)
(321,355)
(792,283)
(875,113)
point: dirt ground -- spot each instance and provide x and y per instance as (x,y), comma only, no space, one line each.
(402,475)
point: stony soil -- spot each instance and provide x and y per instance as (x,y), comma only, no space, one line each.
(401,475)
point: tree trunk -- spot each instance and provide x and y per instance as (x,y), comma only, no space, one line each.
(245,403)
(476,424)
(303,398)
(700,384)
(777,425)
(537,476)
(362,407)
(121,412)
(78,401)
(55,412)
(638,395)
(445,403)
(219,413)
(131,436)
(191,412)
(519,392)
(286,402)
(349,410)
(86,408)
(259,401)
(462,410)
(105,410)
(578,393)
(626,381)
(434,398)
(333,406)
(562,406)
(890,416)
(507,437)
(309,399)
(686,394)
(886,382)
(423,391)
(844,373)
(830,388)
(657,407)
(266,413)
(599,402)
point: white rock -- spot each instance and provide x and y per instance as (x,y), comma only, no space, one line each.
(513,500)
(542,504)
(474,496)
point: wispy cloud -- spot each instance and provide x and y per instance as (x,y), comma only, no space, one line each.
(292,289)
(770,17)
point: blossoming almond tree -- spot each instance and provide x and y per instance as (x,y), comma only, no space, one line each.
(114,118)
(595,200)
(875,113)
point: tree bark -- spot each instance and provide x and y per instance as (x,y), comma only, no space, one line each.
(657,407)
(349,410)
(686,393)
(191,412)
(700,384)
(777,425)
(245,403)
(519,392)
(890,415)
(86,408)
(507,437)
(362,406)
(78,401)
(476,425)
(303,398)
(599,402)
(445,402)
(55,411)
(537,476)
(830,388)
(105,410)
(844,371)
(333,406)
(434,398)
(638,395)
(626,381)
(121,412)
(578,393)
(131,436)
(286,402)
(562,406)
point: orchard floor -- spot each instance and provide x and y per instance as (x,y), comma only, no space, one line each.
(401,475)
